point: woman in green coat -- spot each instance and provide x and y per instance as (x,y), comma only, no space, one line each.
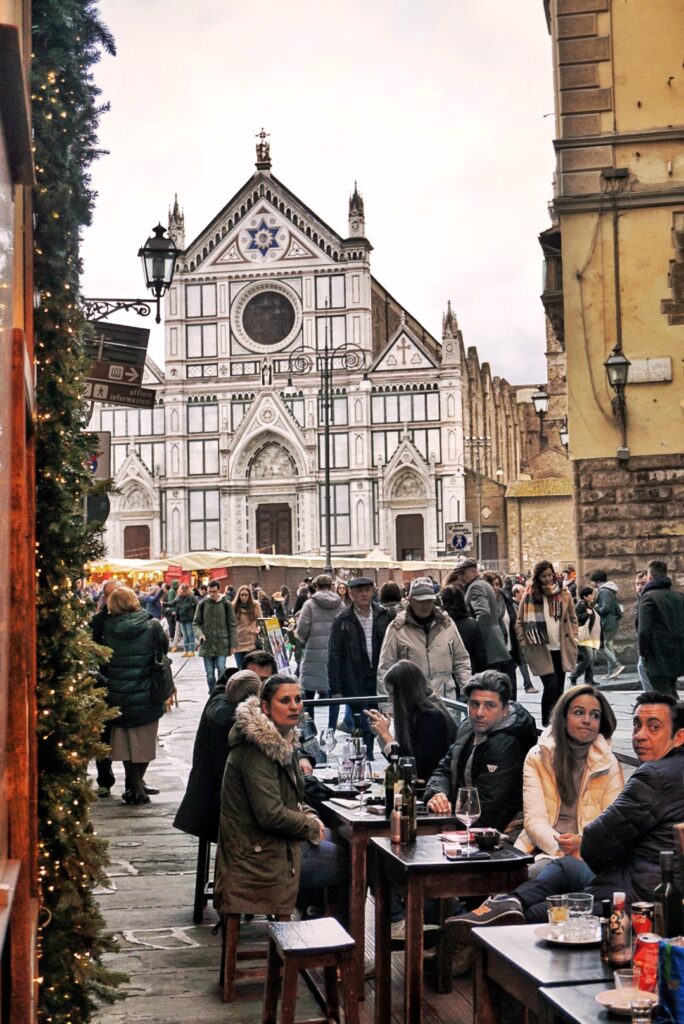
(263,817)
(130,632)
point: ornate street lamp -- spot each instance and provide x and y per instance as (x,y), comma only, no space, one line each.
(564,435)
(540,401)
(347,358)
(617,370)
(159,256)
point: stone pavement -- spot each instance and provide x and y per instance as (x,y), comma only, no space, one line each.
(173,964)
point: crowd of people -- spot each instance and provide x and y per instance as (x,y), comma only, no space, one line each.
(560,796)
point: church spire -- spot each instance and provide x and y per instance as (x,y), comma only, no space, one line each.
(263,152)
(357,227)
(177,224)
(449,321)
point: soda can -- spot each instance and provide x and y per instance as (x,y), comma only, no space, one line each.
(643,918)
(646,957)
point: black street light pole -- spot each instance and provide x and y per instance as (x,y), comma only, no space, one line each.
(347,358)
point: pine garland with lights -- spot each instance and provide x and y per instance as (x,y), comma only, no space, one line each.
(68,39)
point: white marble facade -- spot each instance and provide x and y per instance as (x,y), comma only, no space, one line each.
(232,456)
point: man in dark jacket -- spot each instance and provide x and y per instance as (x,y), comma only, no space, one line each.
(488,752)
(354,652)
(620,849)
(610,612)
(661,630)
(216,630)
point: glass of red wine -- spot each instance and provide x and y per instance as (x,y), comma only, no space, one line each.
(362,780)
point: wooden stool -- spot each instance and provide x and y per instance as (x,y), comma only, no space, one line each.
(230,954)
(299,945)
(203,887)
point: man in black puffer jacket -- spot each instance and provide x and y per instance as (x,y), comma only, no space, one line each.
(620,849)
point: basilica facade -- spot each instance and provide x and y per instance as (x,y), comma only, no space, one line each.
(264,299)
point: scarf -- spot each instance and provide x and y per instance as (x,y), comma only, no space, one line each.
(533,617)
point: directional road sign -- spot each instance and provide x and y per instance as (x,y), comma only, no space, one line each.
(120,394)
(459,537)
(115,372)
(117,343)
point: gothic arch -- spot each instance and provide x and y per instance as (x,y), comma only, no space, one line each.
(271,461)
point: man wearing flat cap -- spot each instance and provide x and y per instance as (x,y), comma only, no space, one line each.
(426,636)
(355,642)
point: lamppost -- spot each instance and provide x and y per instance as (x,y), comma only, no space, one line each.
(347,358)
(158,255)
(540,401)
(617,370)
(477,446)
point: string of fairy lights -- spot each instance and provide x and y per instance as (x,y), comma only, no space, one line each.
(68,39)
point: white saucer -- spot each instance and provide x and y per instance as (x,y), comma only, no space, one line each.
(617,1000)
(545,932)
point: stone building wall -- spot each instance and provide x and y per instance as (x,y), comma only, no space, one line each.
(628,514)
(540,527)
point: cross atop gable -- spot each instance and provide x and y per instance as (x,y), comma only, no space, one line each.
(404,352)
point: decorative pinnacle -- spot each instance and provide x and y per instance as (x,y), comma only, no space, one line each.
(355,203)
(263,151)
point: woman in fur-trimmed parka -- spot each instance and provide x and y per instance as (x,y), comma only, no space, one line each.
(263,817)
(571,776)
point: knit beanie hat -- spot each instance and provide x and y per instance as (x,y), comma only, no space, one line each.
(242,685)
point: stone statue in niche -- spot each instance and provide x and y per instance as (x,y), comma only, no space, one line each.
(272,463)
(408,486)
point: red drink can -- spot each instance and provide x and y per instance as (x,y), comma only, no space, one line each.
(646,957)
(643,918)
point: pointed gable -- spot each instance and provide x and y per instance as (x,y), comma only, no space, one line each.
(404,352)
(267,416)
(264,223)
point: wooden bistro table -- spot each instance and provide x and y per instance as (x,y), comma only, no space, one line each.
(358,830)
(422,872)
(576,1004)
(515,959)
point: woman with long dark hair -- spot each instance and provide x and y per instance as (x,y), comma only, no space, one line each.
(571,776)
(423,726)
(546,628)
(342,591)
(472,635)
(247,611)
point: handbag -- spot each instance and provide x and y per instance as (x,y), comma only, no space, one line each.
(162,686)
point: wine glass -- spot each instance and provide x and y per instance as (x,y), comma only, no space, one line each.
(467,810)
(327,742)
(362,779)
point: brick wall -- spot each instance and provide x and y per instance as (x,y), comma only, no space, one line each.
(538,528)
(626,515)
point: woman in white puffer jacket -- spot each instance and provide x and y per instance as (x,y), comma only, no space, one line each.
(571,776)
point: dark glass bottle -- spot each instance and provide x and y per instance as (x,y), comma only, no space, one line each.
(605,929)
(357,737)
(667,899)
(392,780)
(408,806)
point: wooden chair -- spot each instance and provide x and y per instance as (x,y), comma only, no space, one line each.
(300,945)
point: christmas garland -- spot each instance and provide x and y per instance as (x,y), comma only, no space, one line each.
(68,39)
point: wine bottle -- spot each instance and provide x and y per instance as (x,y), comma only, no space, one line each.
(620,951)
(408,806)
(357,737)
(392,780)
(667,899)
(605,929)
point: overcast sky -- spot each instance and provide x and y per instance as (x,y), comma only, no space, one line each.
(441,109)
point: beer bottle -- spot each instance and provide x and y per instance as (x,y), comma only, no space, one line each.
(667,899)
(392,780)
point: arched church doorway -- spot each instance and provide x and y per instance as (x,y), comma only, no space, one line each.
(274,528)
(136,541)
(410,537)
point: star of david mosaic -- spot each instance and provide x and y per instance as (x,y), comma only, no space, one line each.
(263,238)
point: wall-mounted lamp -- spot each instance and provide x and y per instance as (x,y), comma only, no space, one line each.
(617,370)
(564,435)
(540,401)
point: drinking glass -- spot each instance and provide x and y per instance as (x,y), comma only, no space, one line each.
(641,1010)
(467,810)
(580,906)
(557,907)
(327,742)
(628,978)
(362,779)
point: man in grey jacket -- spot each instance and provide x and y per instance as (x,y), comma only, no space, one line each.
(426,636)
(482,605)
